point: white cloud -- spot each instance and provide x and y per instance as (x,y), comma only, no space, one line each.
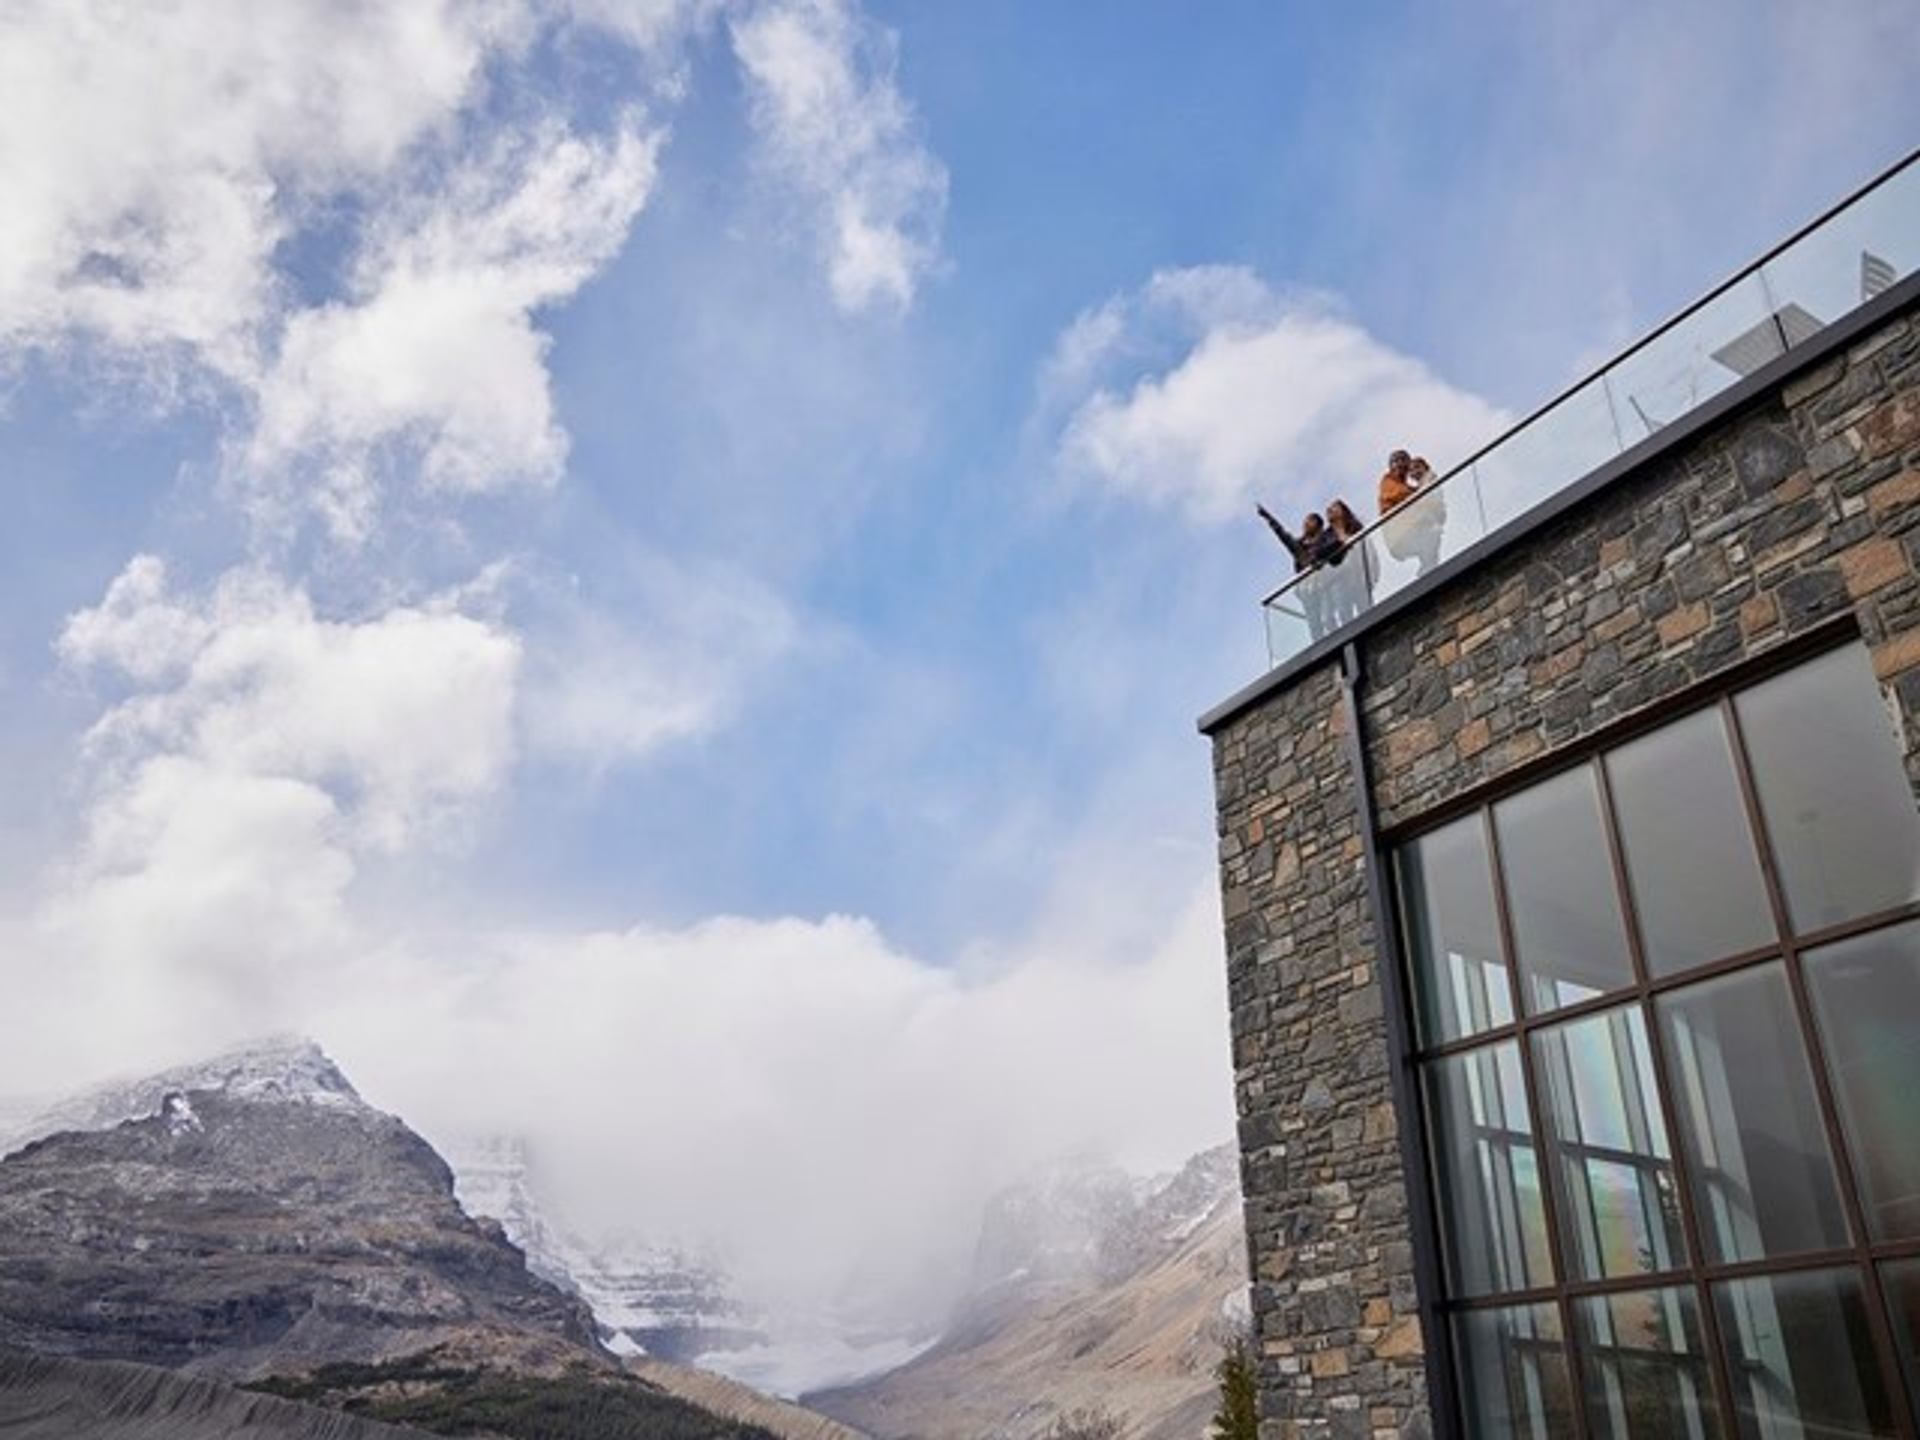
(398,718)
(1207,389)
(154,157)
(169,169)
(201,890)
(436,346)
(313,215)
(840,1107)
(839,132)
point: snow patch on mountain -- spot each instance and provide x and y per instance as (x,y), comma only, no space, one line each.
(180,1116)
(660,1299)
(283,1069)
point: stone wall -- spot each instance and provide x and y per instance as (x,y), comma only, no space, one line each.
(1335,1311)
(1801,507)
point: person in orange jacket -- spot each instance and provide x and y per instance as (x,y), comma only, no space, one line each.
(1416,534)
(1395,486)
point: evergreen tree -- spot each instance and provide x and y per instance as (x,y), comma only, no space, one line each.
(1238,1417)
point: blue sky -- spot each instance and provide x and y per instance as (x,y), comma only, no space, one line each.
(738,503)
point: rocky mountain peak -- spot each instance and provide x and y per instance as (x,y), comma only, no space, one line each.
(249,1214)
(280,1069)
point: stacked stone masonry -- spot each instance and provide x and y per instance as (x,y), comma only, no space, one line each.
(1802,507)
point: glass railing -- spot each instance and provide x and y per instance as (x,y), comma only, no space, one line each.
(1784,299)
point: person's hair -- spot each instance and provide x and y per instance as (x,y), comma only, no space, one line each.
(1397,456)
(1419,462)
(1312,523)
(1340,513)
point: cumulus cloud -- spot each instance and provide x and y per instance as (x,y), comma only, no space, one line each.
(316,217)
(799,1053)
(153,158)
(838,131)
(1207,388)
(396,718)
(252,758)
(435,348)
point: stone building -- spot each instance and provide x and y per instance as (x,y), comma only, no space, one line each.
(1572,902)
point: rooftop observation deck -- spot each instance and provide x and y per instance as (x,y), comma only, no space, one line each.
(1794,302)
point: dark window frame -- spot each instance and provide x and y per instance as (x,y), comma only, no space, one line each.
(1863,1256)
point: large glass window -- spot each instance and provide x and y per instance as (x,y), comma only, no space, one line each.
(1697,887)
(1644,1360)
(1513,1369)
(1867,992)
(1669,1031)
(1618,1211)
(1446,894)
(1802,1357)
(1567,929)
(1763,1179)
(1489,1172)
(1834,790)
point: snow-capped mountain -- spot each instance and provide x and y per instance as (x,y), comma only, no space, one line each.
(249,1215)
(288,1068)
(649,1298)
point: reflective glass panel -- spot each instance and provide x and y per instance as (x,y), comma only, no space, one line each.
(1833,789)
(1802,1358)
(1578,435)
(1643,1358)
(1866,992)
(1677,371)
(1513,1373)
(1901,1282)
(1568,937)
(1691,862)
(1619,1210)
(1761,1168)
(1453,942)
(1288,632)
(1493,1224)
(1854,255)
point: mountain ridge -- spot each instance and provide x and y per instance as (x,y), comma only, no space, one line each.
(259,1215)
(250,1217)
(1098,1291)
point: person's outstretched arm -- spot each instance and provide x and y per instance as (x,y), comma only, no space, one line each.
(1293,545)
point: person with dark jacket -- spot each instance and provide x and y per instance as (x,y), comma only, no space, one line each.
(1315,548)
(1316,544)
